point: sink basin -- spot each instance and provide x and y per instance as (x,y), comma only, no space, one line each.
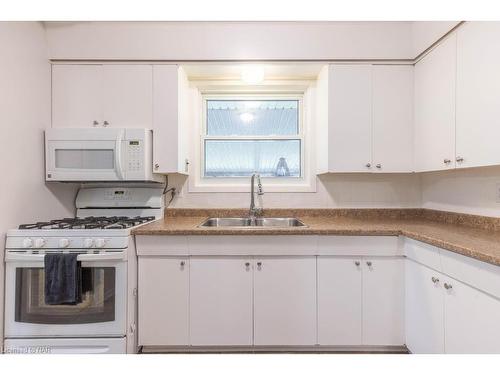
(244,222)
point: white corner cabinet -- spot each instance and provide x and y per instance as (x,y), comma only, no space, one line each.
(452,302)
(368,118)
(127,96)
(276,292)
(456,106)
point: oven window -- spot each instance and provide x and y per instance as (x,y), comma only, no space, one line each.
(84,159)
(98,298)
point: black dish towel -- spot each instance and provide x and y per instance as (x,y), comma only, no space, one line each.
(63,284)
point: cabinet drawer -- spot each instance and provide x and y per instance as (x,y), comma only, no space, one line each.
(359,245)
(423,253)
(161,245)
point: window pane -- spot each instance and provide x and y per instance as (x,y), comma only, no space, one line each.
(270,158)
(252,117)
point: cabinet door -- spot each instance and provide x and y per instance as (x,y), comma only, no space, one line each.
(435,108)
(339,301)
(285,301)
(392,118)
(163,301)
(478,85)
(128,95)
(350,118)
(221,301)
(471,320)
(383,301)
(76,95)
(424,309)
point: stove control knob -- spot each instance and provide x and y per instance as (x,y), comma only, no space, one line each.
(40,242)
(100,242)
(88,242)
(27,243)
(63,242)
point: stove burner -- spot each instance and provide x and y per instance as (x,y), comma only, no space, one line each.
(91,222)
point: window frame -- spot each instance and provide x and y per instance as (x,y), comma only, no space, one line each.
(305,183)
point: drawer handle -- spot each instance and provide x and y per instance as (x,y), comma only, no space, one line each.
(447,286)
(435,280)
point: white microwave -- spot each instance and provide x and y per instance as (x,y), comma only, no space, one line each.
(102,154)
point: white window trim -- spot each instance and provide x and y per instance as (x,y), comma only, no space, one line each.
(305,183)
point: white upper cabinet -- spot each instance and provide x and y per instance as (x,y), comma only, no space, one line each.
(392,115)
(349,118)
(435,78)
(77,96)
(478,93)
(128,95)
(102,95)
(171,112)
(368,119)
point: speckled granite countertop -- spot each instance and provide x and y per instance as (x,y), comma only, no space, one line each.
(474,236)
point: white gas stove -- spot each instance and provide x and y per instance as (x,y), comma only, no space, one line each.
(105,319)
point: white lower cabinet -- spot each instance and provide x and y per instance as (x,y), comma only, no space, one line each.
(339,301)
(471,320)
(220,294)
(360,301)
(383,301)
(163,301)
(424,309)
(285,301)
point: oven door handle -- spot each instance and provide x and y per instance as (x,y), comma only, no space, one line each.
(22,257)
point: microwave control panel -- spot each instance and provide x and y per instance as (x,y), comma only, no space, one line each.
(135,155)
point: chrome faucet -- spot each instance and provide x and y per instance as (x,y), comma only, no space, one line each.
(255,211)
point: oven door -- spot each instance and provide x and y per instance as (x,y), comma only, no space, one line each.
(81,159)
(102,311)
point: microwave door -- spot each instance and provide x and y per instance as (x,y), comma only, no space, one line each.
(94,160)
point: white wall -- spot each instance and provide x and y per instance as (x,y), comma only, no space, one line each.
(24,113)
(471,191)
(333,190)
(229,40)
(426,33)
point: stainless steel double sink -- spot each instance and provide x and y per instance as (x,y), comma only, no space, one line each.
(245,222)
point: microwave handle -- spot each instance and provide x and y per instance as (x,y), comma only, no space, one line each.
(118,155)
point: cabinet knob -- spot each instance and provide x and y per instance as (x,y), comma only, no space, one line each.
(95,123)
(459,159)
(435,280)
(369,264)
(247,264)
(105,123)
(157,166)
(447,161)
(447,286)
(379,166)
(183,263)
(368,165)
(357,263)
(259,265)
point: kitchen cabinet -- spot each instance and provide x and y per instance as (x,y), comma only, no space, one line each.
(349,118)
(171,113)
(424,309)
(102,95)
(435,82)
(220,294)
(478,83)
(339,301)
(392,118)
(383,301)
(163,300)
(285,301)
(360,301)
(471,319)
(369,118)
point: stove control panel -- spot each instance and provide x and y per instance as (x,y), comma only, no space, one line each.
(35,243)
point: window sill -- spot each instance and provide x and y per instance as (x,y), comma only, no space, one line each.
(239,187)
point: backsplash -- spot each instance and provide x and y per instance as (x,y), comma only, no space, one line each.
(333,191)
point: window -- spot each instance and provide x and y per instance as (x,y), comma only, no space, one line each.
(246,135)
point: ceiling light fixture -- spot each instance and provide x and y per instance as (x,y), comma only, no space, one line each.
(252,74)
